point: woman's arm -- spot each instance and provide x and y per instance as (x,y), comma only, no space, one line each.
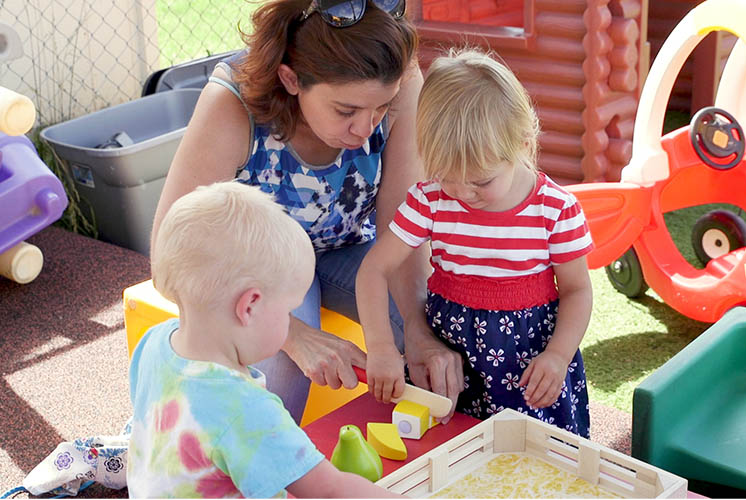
(431,364)
(545,374)
(214,146)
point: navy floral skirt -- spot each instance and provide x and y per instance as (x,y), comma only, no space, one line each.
(497,346)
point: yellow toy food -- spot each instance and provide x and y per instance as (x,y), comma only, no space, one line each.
(386,441)
(412,420)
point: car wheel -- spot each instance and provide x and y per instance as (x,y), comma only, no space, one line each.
(717,233)
(625,274)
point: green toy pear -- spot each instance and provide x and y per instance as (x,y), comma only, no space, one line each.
(354,454)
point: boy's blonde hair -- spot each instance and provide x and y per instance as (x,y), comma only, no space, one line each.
(224,238)
(472,114)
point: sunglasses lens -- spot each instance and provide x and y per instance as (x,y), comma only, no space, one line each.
(341,13)
(393,7)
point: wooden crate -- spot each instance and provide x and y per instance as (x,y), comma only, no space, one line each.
(515,433)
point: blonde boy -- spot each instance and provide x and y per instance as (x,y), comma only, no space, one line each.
(204,426)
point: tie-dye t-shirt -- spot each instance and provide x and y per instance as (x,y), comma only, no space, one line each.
(202,430)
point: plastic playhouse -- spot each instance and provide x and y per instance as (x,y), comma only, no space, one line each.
(31,197)
(698,164)
(583,62)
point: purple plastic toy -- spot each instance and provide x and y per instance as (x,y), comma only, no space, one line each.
(31,197)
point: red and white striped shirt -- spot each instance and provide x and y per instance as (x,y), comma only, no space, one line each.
(514,247)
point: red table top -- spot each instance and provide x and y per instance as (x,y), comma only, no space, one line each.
(324,432)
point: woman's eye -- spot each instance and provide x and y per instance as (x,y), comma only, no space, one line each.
(346,114)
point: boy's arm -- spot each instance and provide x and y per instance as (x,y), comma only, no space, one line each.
(326,481)
(384,366)
(543,380)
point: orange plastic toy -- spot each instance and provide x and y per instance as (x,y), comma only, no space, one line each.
(698,164)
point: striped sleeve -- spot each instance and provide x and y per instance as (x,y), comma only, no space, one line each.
(413,222)
(570,238)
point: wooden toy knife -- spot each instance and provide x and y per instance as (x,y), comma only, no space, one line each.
(438,405)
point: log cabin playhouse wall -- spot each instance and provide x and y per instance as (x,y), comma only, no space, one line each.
(582,61)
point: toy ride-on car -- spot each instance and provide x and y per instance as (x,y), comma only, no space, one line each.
(699,164)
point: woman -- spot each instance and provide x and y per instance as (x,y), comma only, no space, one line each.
(320,111)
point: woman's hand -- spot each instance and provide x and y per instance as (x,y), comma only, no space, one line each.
(324,358)
(433,366)
(385,372)
(543,379)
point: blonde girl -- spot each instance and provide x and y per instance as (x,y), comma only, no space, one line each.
(510,290)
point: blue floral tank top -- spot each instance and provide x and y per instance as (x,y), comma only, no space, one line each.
(333,203)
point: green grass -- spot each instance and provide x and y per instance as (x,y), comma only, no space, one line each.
(190,29)
(628,339)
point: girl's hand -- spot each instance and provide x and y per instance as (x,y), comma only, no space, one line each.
(543,379)
(385,372)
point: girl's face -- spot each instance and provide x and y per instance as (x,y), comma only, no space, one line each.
(484,191)
(343,115)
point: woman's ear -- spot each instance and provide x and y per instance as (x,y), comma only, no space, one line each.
(247,304)
(289,79)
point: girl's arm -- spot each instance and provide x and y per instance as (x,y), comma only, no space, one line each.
(545,374)
(385,367)
(431,364)
(326,481)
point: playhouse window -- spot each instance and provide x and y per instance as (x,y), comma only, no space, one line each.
(507,13)
(482,19)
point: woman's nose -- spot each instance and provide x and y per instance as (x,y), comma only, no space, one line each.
(363,125)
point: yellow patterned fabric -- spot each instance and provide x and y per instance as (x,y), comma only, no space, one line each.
(512,475)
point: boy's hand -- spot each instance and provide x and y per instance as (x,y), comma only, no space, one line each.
(385,372)
(543,379)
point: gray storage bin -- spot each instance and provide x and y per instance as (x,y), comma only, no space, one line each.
(189,75)
(123,184)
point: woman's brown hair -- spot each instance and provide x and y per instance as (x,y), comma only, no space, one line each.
(378,47)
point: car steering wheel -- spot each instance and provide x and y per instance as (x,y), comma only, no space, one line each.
(716,134)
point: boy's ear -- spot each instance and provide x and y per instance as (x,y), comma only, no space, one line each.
(289,79)
(247,304)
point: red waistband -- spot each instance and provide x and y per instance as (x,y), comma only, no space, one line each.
(495,294)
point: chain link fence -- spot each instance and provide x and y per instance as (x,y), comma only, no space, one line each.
(80,56)
(83,55)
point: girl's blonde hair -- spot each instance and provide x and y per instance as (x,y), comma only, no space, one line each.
(224,238)
(473,114)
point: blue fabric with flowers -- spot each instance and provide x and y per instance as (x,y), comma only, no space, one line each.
(497,346)
(333,203)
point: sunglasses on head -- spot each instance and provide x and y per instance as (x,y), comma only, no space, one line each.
(341,14)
